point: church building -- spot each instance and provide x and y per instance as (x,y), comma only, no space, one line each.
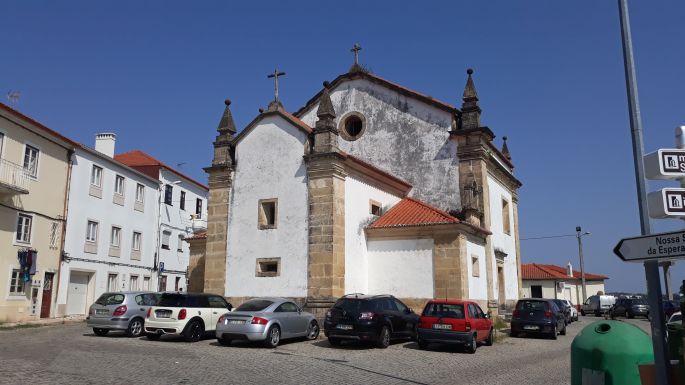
(369,188)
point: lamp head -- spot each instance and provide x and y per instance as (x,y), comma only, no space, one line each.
(577,228)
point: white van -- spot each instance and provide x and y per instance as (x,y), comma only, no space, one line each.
(597,304)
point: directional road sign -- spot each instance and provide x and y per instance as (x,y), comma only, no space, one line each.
(665,163)
(661,247)
(667,203)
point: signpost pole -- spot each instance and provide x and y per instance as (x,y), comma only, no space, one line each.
(651,267)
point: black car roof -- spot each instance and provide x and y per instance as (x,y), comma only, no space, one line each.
(365,296)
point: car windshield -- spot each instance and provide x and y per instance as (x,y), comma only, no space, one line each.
(110,299)
(444,310)
(349,305)
(560,303)
(532,306)
(638,301)
(254,305)
(172,300)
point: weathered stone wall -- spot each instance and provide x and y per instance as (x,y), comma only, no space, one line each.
(196,265)
(217,229)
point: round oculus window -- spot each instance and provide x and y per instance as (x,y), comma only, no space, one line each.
(353,127)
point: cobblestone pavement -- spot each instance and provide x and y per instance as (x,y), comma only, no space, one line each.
(72,354)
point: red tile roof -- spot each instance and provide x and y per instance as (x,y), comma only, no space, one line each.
(150,166)
(412,212)
(543,272)
(199,235)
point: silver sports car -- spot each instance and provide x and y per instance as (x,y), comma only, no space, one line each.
(268,320)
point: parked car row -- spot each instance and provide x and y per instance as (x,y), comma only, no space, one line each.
(539,316)
(376,319)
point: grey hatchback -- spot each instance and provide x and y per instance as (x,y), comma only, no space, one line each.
(121,311)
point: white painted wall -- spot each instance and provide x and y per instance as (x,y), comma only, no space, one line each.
(478,286)
(404,136)
(500,240)
(178,222)
(269,164)
(573,289)
(357,217)
(83,207)
(403,268)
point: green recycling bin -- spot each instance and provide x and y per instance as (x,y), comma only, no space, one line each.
(675,340)
(608,353)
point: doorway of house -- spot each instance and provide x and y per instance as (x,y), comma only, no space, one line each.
(46,301)
(500,284)
(536,291)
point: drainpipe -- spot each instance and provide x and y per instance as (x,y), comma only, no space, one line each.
(65,212)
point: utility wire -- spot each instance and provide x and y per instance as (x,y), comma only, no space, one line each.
(550,236)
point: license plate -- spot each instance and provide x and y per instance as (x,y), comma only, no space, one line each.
(344,327)
(236,322)
(442,326)
(101,311)
(163,313)
(531,327)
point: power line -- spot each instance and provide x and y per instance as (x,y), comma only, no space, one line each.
(550,236)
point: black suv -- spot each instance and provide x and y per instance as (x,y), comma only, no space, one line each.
(371,318)
(629,307)
(538,316)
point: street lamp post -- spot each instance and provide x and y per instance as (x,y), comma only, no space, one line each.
(580,235)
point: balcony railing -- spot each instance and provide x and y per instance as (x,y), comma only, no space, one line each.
(14,179)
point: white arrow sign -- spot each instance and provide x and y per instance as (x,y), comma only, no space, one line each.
(663,247)
(665,163)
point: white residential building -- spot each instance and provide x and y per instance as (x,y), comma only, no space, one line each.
(110,237)
(183,210)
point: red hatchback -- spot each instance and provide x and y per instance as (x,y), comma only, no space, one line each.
(454,322)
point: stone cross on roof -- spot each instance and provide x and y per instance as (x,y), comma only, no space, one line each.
(275,75)
(356,50)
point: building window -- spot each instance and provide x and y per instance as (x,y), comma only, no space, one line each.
(135,245)
(140,193)
(24,224)
(54,235)
(180,243)
(162,283)
(115,239)
(31,160)
(268,267)
(352,126)
(165,239)
(506,225)
(119,184)
(536,291)
(92,232)
(375,208)
(268,212)
(146,283)
(133,285)
(16,283)
(96,176)
(168,194)
(112,284)
(2,140)
(183,200)
(177,284)
(198,208)
(475,266)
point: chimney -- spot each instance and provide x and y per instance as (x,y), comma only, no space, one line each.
(104,143)
(569,269)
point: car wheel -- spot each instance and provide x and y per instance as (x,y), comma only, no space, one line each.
(582,313)
(513,334)
(313,330)
(563,331)
(473,345)
(193,332)
(153,336)
(555,332)
(273,337)
(100,332)
(630,315)
(135,328)
(383,338)
(333,341)
(224,341)
(423,345)
(489,340)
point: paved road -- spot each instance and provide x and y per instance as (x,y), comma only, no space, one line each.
(71,354)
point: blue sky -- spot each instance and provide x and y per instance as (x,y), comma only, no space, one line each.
(549,75)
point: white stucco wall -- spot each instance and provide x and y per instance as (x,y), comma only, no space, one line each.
(178,222)
(572,291)
(403,268)
(478,286)
(357,217)
(404,136)
(269,164)
(501,240)
(84,207)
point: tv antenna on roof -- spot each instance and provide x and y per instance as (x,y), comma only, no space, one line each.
(179,165)
(13,96)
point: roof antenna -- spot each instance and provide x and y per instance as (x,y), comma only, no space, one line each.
(13,96)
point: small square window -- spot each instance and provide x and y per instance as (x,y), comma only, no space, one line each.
(115,238)
(506,220)
(16,283)
(112,282)
(140,193)
(31,160)
(181,237)
(268,213)
(24,223)
(475,266)
(166,235)
(198,208)
(268,267)
(168,194)
(96,176)
(92,232)
(136,241)
(119,183)
(183,200)
(375,208)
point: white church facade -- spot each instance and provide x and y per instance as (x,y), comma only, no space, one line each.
(369,188)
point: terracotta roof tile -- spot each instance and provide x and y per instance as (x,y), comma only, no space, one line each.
(544,272)
(199,235)
(142,161)
(412,212)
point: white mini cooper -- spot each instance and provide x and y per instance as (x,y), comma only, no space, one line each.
(187,314)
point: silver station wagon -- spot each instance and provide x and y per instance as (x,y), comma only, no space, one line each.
(121,311)
(268,320)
